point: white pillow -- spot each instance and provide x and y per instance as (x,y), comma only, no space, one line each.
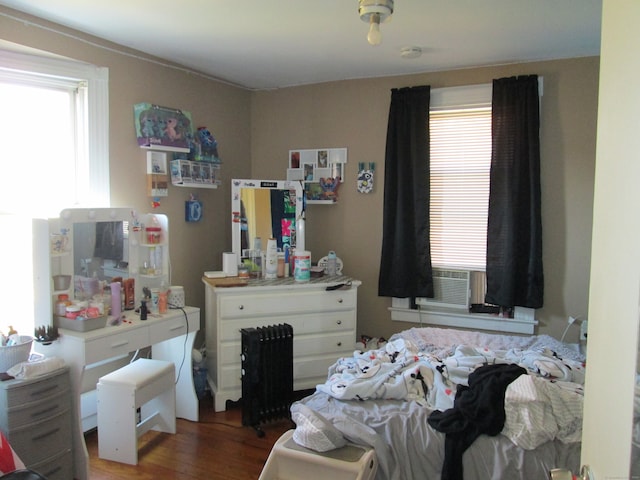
(313,431)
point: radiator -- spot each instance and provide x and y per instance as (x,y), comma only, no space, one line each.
(451,289)
(267,374)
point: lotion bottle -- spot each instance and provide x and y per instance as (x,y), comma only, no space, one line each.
(271,267)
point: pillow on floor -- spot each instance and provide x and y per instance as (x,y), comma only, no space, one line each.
(313,431)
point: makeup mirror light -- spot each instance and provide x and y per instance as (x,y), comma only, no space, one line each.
(266,209)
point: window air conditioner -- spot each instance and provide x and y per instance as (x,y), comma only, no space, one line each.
(451,289)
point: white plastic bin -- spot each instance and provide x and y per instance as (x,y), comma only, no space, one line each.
(290,461)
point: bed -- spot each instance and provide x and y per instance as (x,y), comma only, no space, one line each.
(443,403)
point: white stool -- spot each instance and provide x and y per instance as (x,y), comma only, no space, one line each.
(145,384)
(290,461)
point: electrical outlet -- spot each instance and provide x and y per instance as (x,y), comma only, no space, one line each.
(583,331)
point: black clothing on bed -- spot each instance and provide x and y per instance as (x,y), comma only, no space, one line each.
(477,409)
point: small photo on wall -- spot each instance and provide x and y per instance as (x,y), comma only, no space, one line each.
(308,172)
(294,159)
(337,170)
(157,162)
(323,158)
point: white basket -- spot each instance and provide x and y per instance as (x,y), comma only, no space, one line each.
(14,354)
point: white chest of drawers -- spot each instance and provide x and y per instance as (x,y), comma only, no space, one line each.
(35,416)
(324,327)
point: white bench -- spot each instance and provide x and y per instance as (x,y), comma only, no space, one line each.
(145,384)
(290,461)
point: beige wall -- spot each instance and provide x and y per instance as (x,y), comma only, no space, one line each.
(255,131)
(353,114)
(195,247)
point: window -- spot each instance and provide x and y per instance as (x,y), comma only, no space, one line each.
(460,130)
(460,166)
(54,137)
(54,133)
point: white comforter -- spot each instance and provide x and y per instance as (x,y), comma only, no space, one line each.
(541,406)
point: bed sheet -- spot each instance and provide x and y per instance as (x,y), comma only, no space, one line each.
(543,415)
(408,448)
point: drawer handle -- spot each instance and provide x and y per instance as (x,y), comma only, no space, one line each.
(37,393)
(45,411)
(121,344)
(240,307)
(176,327)
(339,344)
(340,300)
(46,434)
(339,322)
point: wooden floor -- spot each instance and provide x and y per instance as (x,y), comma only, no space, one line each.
(217,447)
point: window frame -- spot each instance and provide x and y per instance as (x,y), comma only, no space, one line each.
(93,113)
(461,97)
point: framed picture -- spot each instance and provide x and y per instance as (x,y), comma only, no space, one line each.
(314,167)
(323,158)
(294,159)
(337,170)
(157,163)
(309,172)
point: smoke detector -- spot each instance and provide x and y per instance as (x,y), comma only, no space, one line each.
(410,52)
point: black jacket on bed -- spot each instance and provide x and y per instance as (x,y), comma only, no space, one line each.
(477,409)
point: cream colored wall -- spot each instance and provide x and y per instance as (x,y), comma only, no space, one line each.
(256,130)
(225,110)
(610,391)
(353,114)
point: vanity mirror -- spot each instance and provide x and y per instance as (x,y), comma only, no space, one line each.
(266,209)
(105,243)
(97,242)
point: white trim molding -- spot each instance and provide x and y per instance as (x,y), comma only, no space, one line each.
(475,321)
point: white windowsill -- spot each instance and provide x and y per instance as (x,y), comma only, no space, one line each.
(476,321)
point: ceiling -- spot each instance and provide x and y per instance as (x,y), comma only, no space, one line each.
(267,44)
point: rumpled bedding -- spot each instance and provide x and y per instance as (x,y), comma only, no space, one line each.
(383,398)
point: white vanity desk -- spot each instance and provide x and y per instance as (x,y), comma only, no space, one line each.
(170,337)
(323,321)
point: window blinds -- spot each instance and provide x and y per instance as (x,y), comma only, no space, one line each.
(459,172)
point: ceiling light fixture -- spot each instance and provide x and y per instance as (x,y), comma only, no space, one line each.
(374,12)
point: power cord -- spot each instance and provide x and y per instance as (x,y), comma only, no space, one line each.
(571,320)
(186,336)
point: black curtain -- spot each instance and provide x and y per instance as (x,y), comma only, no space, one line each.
(514,231)
(405,264)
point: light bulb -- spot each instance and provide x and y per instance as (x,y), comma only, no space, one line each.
(375,37)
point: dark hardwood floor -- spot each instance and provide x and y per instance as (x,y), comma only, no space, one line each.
(217,447)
